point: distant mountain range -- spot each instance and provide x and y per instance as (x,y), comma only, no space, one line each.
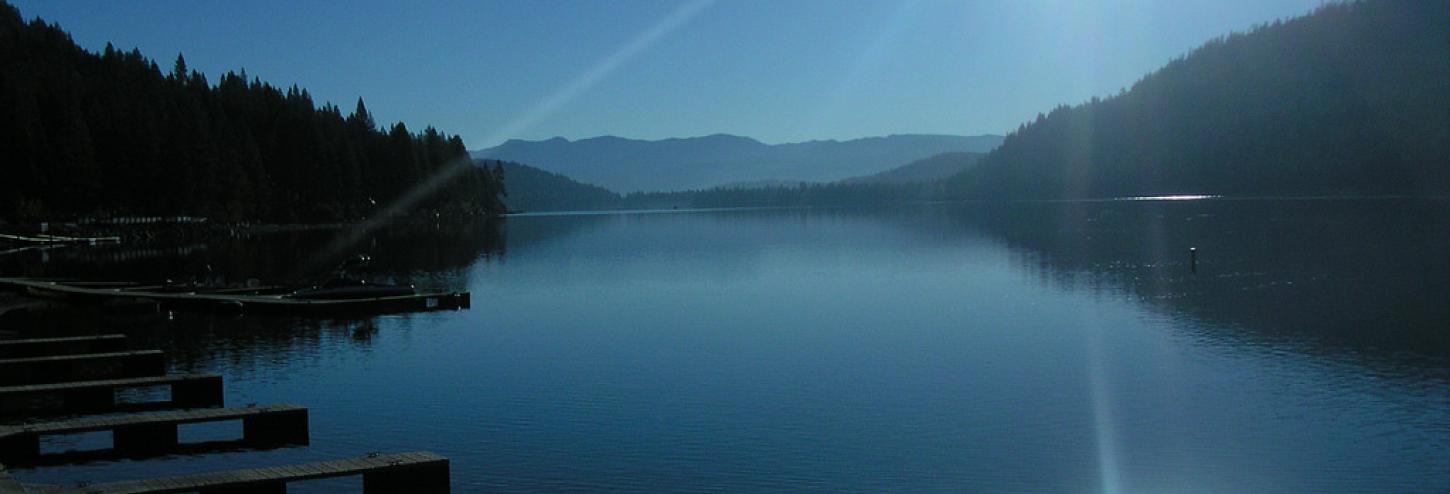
(629,165)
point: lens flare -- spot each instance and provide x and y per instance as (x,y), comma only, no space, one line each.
(671,22)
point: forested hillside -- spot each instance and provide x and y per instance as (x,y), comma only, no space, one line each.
(836,195)
(1351,99)
(110,133)
(923,170)
(532,189)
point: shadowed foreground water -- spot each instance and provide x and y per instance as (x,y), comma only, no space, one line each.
(1060,347)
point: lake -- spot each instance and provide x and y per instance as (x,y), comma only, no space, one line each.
(1023,347)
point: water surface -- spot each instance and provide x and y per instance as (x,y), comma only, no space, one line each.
(1057,347)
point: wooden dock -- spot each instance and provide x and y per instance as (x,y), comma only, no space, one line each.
(187,391)
(40,347)
(156,433)
(58,376)
(417,472)
(229,301)
(44,239)
(87,366)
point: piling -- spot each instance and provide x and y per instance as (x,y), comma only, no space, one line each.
(279,427)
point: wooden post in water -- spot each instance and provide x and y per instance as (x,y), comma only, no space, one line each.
(145,439)
(289,427)
(199,393)
(19,447)
(1193,260)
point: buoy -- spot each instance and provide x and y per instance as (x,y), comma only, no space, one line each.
(1193,259)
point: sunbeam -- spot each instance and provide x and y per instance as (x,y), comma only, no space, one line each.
(588,79)
(1102,412)
(869,59)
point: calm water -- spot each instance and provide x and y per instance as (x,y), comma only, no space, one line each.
(1060,347)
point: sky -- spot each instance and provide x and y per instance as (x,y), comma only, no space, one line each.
(775,70)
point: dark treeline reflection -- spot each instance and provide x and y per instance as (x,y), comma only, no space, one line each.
(430,255)
(243,345)
(1367,277)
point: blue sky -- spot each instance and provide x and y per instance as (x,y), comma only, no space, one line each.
(776,70)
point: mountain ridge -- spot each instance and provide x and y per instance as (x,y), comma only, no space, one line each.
(684,163)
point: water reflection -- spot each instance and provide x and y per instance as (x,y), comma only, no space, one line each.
(997,348)
(1367,278)
(1350,277)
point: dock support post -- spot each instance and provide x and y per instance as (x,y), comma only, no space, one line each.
(145,439)
(19,448)
(199,394)
(88,400)
(151,364)
(426,478)
(277,428)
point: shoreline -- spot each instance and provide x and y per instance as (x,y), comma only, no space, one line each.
(167,230)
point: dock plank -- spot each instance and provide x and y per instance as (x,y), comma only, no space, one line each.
(264,304)
(188,391)
(105,383)
(88,366)
(38,347)
(175,417)
(156,433)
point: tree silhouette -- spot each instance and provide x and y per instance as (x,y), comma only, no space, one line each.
(110,134)
(1349,100)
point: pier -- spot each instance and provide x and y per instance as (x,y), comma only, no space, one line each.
(78,375)
(187,391)
(40,347)
(44,239)
(62,368)
(417,472)
(156,433)
(231,301)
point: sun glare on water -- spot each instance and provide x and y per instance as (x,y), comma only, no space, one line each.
(1186,197)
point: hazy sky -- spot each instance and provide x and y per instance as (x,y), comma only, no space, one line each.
(776,70)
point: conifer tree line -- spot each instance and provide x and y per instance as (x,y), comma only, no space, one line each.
(111,134)
(1352,99)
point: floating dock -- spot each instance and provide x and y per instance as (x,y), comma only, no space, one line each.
(41,382)
(44,239)
(187,391)
(417,472)
(234,300)
(62,346)
(156,433)
(87,366)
